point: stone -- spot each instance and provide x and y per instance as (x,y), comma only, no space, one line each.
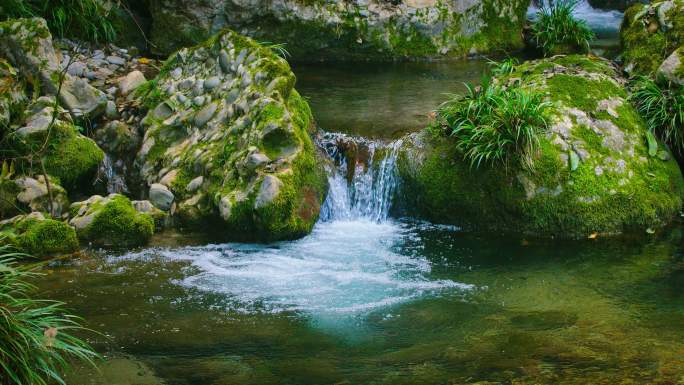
(161,197)
(111,221)
(38,236)
(116,60)
(111,112)
(82,99)
(333,30)
(130,82)
(609,188)
(672,68)
(223,157)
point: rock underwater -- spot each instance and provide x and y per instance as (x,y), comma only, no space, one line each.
(227,142)
(593,173)
(349,29)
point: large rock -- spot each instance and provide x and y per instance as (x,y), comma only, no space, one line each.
(672,68)
(25,193)
(348,29)
(111,221)
(650,33)
(52,137)
(27,44)
(37,236)
(229,136)
(593,173)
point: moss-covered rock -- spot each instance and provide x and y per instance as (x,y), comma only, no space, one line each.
(229,137)
(650,33)
(27,194)
(111,221)
(672,68)
(27,45)
(593,173)
(350,29)
(53,138)
(35,235)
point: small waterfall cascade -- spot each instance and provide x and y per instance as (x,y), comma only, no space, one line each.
(599,20)
(363,178)
(110,171)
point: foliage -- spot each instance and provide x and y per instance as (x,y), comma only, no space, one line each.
(662,106)
(505,67)
(86,19)
(494,124)
(34,334)
(556,28)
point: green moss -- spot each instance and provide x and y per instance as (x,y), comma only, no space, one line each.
(564,88)
(40,237)
(74,161)
(117,223)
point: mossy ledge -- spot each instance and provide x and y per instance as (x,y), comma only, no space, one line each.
(228,141)
(38,236)
(614,186)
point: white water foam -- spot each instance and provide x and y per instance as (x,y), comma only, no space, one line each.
(351,264)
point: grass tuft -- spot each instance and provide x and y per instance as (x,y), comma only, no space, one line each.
(493,124)
(35,335)
(662,106)
(556,30)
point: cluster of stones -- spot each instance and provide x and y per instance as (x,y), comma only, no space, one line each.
(343,29)
(227,141)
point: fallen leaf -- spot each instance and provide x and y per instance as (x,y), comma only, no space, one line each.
(50,335)
(593,236)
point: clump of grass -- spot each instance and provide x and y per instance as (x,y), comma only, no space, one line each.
(35,339)
(661,104)
(493,124)
(504,67)
(85,19)
(556,30)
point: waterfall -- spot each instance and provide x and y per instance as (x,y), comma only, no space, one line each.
(363,178)
(115,181)
(597,19)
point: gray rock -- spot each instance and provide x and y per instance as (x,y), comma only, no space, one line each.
(131,81)
(76,69)
(195,184)
(205,114)
(162,111)
(161,197)
(268,192)
(82,99)
(672,68)
(116,60)
(212,83)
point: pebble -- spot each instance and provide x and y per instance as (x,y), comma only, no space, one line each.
(212,83)
(116,60)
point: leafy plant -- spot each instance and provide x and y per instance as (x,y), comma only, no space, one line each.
(86,19)
(556,29)
(505,67)
(277,48)
(662,106)
(494,124)
(35,339)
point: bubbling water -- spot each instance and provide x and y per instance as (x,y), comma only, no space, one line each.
(597,19)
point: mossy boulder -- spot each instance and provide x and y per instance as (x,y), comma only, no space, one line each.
(111,221)
(52,137)
(38,236)
(349,29)
(597,169)
(650,33)
(672,68)
(227,142)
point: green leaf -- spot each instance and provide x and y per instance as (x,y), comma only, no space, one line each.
(574,160)
(652,143)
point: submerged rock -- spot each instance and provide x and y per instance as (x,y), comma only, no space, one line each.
(111,221)
(650,33)
(38,236)
(218,158)
(349,29)
(593,172)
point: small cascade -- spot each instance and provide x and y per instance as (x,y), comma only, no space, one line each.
(597,19)
(115,181)
(363,180)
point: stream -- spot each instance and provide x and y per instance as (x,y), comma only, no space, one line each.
(369,298)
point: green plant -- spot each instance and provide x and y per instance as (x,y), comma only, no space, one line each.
(662,106)
(504,67)
(494,124)
(556,29)
(86,19)
(35,339)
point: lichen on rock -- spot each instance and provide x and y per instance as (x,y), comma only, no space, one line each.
(593,172)
(229,137)
(349,29)
(111,221)
(650,33)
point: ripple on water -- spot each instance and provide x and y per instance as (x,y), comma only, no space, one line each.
(344,268)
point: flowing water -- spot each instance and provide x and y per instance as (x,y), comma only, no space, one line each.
(369,298)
